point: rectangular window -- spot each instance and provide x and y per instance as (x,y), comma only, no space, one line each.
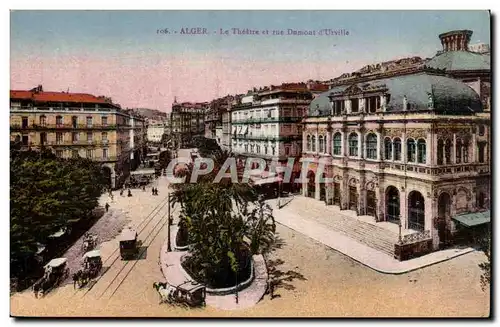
(59,153)
(89,121)
(481,156)
(105,153)
(104,137)
(89,137)
(59,120)
(90,153)
(74,153)
(74,137)
(104,121)
(25,139)
(338,107)
(354,105)
(59,138)
(24,122)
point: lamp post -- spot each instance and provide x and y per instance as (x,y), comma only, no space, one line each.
(169,249)
(400,239)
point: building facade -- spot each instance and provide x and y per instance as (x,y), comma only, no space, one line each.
(187,121)
(264,122)
(403,143)
(156,130)
(213,118)
(77,124)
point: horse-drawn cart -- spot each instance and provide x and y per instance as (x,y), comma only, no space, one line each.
(56,271)
(89,242)
(91,266)
(189,293)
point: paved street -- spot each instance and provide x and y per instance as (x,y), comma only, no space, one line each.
(335,285)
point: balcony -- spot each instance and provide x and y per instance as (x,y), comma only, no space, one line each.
(66,143)
(287,138)
(268,120)
(39,127)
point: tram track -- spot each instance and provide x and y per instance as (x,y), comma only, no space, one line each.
(115,255)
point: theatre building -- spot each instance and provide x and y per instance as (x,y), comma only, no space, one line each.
(404,143)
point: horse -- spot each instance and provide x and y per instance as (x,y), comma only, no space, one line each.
(76,278)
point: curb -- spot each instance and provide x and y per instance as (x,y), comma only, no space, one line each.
(378,269)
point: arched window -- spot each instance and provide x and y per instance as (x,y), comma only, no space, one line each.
(313,143)
(388,149)
(440,152)
(321,140)
(421,151)
(480,200)
(447,152)
(371,146)
(465,151)
(397,149)
(337,144)
(481,151)
(411,151)
(353,145)
(458,150)
(309,146)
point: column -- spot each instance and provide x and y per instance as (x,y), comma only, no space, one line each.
(317,189)
(430,146)
(348,107)
(344,191)
(362,194)
(403,210)
(362,105)
(360,145)
(454,149)
(430,214)
(317,142)
(473,149)
(329,142)
(381,201)
(380,144)
(304,142)
(403,148)
(383,102)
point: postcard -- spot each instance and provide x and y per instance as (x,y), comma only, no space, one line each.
(331,164)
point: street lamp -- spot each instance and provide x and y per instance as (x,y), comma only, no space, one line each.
(169,249)
(400,239)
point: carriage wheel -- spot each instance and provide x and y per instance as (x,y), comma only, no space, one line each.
(40,294)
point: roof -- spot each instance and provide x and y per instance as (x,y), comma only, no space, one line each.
(57,97)
(460,61)
(56,262)
(92,254)
(190,287)
(474,219)
(448,94)
(128,235)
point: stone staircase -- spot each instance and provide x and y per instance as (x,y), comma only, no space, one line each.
(331,217)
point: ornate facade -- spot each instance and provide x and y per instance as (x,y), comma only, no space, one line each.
(412,148)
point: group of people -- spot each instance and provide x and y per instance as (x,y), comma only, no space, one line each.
(154,190)
(123,190)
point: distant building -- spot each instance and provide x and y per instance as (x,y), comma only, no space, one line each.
(78,124)
(482,48)
(187,121)
(156,130)
(214,118)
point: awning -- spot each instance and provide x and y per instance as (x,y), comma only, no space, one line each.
(268,180)
(474,219)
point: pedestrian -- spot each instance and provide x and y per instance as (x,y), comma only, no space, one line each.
(144,187)
(121,192)
(129,193)
(107,206)
(156,191)
(153,191)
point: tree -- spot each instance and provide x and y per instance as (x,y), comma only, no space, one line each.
(485,246)
(46,194)
(221,219)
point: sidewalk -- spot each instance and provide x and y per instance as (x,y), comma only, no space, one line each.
(170,263)
(364,254)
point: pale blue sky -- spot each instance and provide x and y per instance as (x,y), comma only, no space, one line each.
(373,34)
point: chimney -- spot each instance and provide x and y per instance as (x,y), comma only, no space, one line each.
(456,40)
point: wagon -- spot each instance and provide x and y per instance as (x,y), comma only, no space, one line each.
(89,242)
(189,293)
(128,244)
(56,271)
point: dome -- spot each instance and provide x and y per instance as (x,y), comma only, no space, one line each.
(460,61)
(448,94)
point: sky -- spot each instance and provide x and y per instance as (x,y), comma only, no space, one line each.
(124,54)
